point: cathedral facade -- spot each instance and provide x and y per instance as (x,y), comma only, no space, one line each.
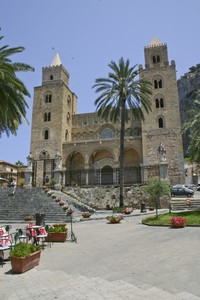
(83,149)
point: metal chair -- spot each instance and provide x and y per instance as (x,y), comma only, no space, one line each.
(7,243)
(41,236)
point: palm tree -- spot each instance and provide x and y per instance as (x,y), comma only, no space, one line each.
(12,91)
(121,92)
(19,163)
(193,126)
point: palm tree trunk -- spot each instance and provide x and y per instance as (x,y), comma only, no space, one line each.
(121,155)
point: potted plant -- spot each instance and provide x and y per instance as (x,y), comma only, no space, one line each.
(65,207)
(177,222)
(86,214)
(57,233)
(52,183)
(24,257)
(61,203)
(127,210)
(69,211)
(28,218)
(115,218)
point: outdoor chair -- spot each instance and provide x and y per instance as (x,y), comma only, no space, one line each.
(7,242)
(41,236)
(22,236)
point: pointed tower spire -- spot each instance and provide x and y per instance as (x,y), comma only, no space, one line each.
(56,61)
(155,42)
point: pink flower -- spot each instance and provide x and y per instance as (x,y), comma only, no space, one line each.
(178,221)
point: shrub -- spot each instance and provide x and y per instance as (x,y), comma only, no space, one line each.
(58,229)
(23,249)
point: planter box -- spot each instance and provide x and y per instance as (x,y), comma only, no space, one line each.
(23,264)
(56,237)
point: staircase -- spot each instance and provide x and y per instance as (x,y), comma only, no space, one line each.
(29,202)
(46,284)
(185,204)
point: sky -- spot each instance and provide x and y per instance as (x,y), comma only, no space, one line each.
(88,35)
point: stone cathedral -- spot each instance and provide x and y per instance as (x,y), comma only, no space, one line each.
(83,150)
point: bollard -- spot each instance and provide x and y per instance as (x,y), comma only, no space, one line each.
(39,219)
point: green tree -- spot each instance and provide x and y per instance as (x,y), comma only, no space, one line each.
(120,93)
(157,188)
(12,91)
(193,126)
(19,163)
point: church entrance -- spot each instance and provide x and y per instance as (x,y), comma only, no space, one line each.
(107,175)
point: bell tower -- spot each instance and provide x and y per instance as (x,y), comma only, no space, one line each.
(162,124)
(53,107)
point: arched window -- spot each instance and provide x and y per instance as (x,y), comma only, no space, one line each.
(159,102)
(158,82)
(156,59)
(51,77)
(160,122)
(46,134)
(66,135)
(68,117)
(47,117)
(107,133)
(48,98)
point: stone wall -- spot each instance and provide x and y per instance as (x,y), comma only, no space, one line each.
(108,197)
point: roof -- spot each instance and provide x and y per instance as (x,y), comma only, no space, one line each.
(56,61)
(155,41)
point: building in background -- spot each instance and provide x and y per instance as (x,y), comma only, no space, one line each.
(10,172)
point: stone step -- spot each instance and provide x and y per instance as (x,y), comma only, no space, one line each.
(47,284)
(185,203)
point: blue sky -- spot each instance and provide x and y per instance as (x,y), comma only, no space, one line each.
(88,34)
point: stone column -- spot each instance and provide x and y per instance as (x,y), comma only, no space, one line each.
(29,171)
(58,176)
(28,177)
(163,170)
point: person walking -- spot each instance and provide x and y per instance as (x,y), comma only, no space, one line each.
(13,185)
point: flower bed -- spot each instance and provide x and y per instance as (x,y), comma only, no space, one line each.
(115,218)
(178,222)
(127,210)
(86,214)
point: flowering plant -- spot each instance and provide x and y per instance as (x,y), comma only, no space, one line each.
(28,218)
(127,210)
(115,218)
(86,214)
(178,221)
(61,202)
(70,211)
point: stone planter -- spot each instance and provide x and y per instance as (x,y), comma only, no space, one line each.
(23,264)
(86,215)
(115,221)
(56,237)
(59,224)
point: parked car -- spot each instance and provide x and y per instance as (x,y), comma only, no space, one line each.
(181,191)
(191,186)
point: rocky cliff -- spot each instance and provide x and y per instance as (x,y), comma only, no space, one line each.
(189,91)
